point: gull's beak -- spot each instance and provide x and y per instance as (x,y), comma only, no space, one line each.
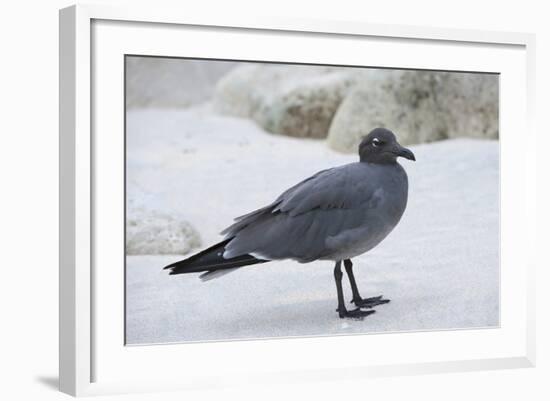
(404,152)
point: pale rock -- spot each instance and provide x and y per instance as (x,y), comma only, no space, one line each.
(297,101)
(149,232)
(419,106)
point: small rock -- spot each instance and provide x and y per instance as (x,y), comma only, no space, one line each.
(149,232)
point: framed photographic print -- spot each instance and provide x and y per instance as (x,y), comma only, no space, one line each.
(256,192)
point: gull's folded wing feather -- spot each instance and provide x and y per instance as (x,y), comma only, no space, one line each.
(299,222)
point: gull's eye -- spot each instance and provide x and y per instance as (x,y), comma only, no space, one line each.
(377,142)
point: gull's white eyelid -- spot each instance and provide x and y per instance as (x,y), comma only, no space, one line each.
(375,141)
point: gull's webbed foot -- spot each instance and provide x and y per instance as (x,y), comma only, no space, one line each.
(369,302)
(357,314)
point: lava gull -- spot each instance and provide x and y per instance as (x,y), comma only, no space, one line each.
(336,214)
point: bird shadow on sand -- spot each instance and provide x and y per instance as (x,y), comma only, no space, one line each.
(51,382)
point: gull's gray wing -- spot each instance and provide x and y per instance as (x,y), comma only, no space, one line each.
(302,222)
(247,219)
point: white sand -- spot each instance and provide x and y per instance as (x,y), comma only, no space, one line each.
(440,266)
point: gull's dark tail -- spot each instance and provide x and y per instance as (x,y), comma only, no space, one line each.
(211,261)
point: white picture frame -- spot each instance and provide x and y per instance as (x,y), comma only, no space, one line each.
(93,358)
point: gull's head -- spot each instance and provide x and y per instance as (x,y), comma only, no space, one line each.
(381,147)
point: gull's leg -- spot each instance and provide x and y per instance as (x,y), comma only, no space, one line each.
(357,300)
(342,311)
